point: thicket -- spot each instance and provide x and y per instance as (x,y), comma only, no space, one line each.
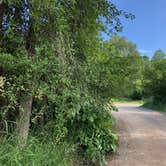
(55,81)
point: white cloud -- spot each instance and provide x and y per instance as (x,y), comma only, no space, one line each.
(143,51)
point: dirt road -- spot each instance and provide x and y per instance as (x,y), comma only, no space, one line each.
(142,135)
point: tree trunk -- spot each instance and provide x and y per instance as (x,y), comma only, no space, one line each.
(27,99)
(24,119)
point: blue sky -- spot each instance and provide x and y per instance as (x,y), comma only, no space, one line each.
(148,30)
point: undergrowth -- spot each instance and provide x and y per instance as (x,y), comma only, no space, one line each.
(127,100)
(156,106)
(36,153)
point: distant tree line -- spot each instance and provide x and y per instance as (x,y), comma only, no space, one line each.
(135,76)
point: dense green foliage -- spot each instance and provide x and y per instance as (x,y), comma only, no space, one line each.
(155,79)
(134,76)
(126,68)
(55,78)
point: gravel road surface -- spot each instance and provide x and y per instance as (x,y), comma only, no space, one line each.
(142,137)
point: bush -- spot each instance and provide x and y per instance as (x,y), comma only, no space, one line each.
(91,128)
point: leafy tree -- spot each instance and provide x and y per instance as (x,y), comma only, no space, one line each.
(155,81)
(125,68)
(159,54)
(50,54)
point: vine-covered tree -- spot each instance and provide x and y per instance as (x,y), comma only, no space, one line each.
(48,53)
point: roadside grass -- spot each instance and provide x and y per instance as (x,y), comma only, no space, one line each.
(36,153)
(157,107)
(126,100)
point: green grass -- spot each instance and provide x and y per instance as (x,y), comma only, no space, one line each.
(156,107)
(36,153)
(126,100)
